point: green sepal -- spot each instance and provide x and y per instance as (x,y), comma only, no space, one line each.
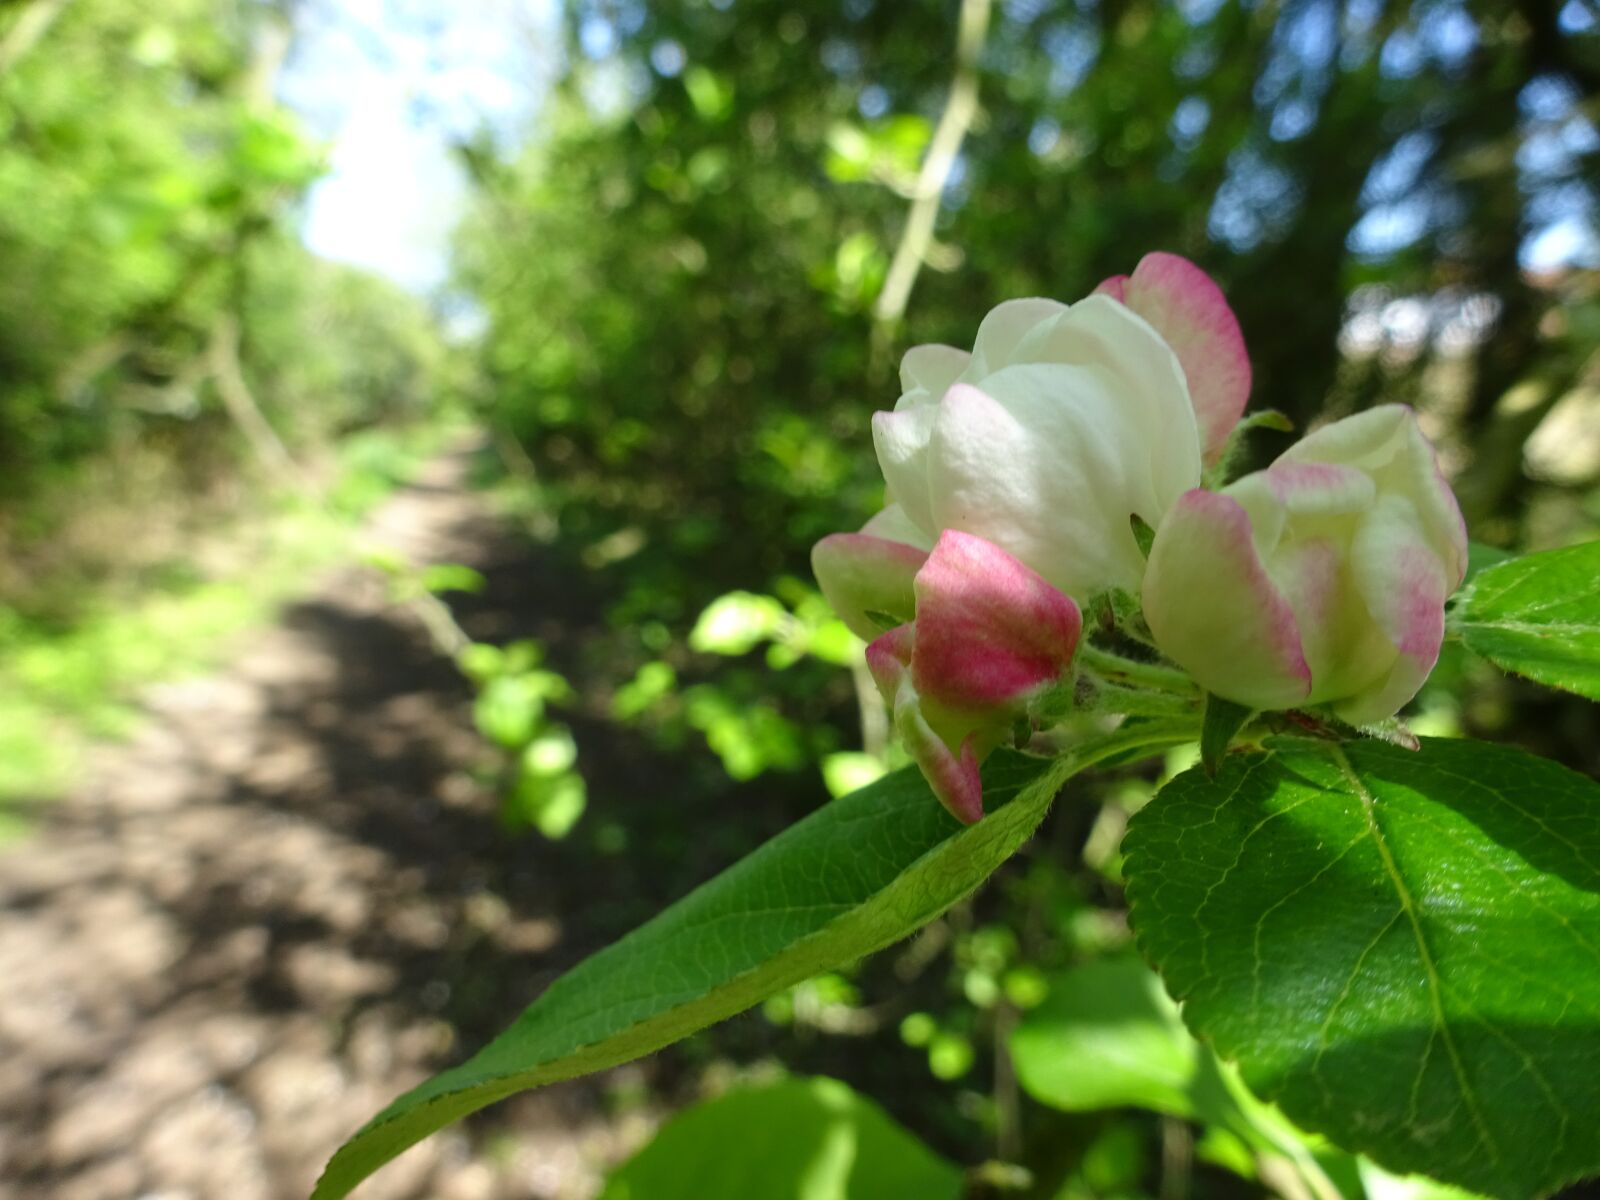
(1223,719)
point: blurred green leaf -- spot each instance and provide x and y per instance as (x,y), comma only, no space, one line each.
(551,753)
(452,577)
(748,738)
(509,710)
(651,682)
(850,770)
(801,1139)
(480,661)
(550,804)
(918,1028)
(710,93)
(736,623)
(1107,1036)
(950,1055)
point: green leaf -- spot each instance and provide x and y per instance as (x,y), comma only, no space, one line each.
(711,95)
(737,622)
(1143,533)
(509,710)
(1108,1037)
(847,770)
(1223,719)
(1480,557)
(857,875)
(1538,616)
(452,577)
(802,1139)
(1398,947)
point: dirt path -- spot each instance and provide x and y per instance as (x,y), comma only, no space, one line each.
(250,929)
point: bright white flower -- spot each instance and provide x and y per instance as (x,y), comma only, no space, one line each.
(1063,423)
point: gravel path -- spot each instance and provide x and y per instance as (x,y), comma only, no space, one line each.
(251,926)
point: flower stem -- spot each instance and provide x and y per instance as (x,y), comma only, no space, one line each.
(1141,702)
(1117,669)
(1150,736)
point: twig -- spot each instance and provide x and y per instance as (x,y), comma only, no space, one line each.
(874,713)
(1007,1096)
(956,120)
(26,31)
(242,406)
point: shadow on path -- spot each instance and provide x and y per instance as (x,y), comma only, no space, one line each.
(287,899)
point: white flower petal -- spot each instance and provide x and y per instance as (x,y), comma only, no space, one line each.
(932,368)
(1001,331)
(901,439)
(1036,466)
(893,524)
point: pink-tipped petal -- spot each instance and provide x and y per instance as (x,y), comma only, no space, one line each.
(1322,489)
(1404,586)
(1188,309)
(990,632)
(1387,442)
(1368,440)
(889,661)
(953,776)
(1116,287)
(1214,609)
(1437,502)
(868,580)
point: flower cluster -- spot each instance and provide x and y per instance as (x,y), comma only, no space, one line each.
(1017,474)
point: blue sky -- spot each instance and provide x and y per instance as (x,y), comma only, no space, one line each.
(387,84)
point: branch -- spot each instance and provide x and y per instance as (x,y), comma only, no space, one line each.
(951,131)
(26,31)
(242,407)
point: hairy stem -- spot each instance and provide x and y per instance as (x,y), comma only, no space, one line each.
(1132,672)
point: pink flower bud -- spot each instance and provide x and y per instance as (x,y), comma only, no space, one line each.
(991,633)
(989,636)
(1321,580)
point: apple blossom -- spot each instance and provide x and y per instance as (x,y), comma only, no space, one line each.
(989,636)
(1320,580)
(1061,424)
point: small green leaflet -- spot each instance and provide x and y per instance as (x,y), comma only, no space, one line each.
(855,876)
(1399,948)
(811,1138)
(1538,616)
(1223,719)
